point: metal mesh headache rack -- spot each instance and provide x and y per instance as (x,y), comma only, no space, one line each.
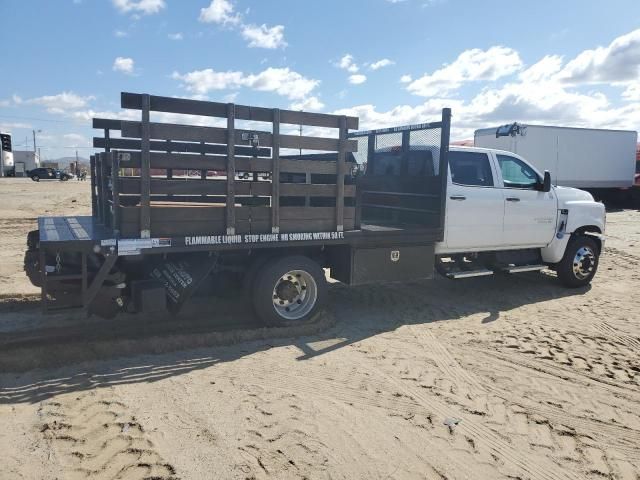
(403,185)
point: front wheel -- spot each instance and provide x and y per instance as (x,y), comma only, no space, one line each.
(35,178)
(580,262)
(289,291)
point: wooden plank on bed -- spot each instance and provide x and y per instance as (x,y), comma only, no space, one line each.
(313,213)
(183,147)
(188,161)
(192,133)
(313,190)
(243,112)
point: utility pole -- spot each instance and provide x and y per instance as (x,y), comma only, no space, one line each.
(34,143)
(300,131)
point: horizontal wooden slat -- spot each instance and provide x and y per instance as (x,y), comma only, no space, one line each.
(191,133)
(191,186)
(242,112)
(131,186)
(313,190)
(187,161)
(182,147)
(309,213)
(110,124)
(193,213)
(219,162)
(188,186)
(316,143)
(308,166)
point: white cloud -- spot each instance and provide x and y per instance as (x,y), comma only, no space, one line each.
(263,36)
(175,36)
(124,65)
(357,79)
(282,81)
(308,104)
(470,66)
(76,140)
(9,126)
(544,70)
(406,79)
(543,93)
(347,63)
(61,102)
(385,62)
(618,62)
(632,92)
(120,34)
(221,12)
(145,7)
(87,115)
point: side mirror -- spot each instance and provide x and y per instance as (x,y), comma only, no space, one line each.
(546,183)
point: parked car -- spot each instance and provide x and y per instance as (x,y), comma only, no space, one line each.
(44,173)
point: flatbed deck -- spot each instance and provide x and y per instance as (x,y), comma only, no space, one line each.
(61,231)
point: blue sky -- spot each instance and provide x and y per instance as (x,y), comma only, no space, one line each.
(390,62)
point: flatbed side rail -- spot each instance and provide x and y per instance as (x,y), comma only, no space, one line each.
(150,190)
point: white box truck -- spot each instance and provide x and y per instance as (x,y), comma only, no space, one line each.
(588,158)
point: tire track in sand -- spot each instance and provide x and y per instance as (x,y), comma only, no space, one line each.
(95,437)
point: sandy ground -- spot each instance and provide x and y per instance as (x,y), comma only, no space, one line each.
(535,382)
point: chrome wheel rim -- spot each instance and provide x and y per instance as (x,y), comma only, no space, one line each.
(584,263)
(295,294)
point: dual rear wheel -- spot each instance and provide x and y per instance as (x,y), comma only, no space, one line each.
(286,291)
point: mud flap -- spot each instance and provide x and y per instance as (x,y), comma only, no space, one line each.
(181,275)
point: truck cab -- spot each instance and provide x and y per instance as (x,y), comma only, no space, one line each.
(501,213)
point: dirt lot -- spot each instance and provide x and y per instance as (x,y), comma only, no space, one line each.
(543,382)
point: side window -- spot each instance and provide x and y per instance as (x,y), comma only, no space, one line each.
(516,173)
(470,168)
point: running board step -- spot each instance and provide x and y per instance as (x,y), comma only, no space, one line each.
(470,273)
(524,268)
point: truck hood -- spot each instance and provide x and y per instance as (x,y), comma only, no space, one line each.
(568,194)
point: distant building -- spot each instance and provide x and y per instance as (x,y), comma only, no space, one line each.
(25,160)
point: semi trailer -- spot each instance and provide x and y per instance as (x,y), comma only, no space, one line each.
(387,205)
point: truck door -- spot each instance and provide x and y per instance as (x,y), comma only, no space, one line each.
(529,214)
(475,207)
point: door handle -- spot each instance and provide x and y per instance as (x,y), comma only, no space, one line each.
(513,199)
(458,197)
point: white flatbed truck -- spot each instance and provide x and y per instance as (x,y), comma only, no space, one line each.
(416,207)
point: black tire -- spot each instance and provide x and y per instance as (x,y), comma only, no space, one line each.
(296,292)
(579,263)
(35,178)
(249,278)
(64,178)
